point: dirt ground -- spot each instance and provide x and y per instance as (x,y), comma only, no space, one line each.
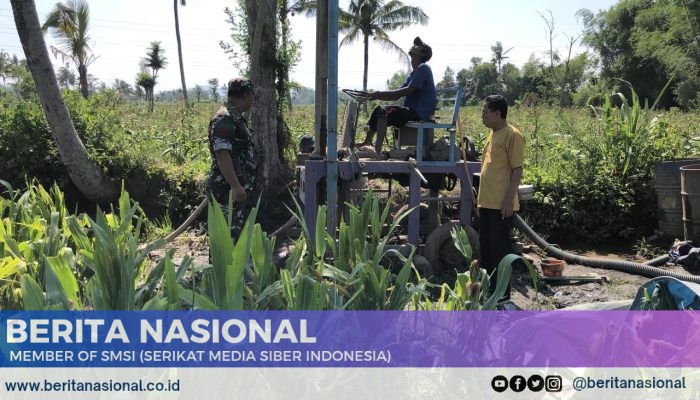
(604,285)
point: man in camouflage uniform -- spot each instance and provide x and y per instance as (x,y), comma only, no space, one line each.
(233,166)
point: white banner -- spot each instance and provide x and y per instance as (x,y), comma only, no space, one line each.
(349,383)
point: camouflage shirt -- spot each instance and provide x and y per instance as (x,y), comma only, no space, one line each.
(228,130)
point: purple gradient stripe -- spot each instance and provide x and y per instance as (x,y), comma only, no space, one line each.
(417,339)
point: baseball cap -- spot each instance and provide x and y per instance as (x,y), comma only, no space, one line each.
(425,51)
(306,144)
(239,85)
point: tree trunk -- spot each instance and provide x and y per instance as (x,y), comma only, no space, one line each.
(179,55)
(85,173)
(82,76)
(364,75)
(149,97)
(283,67)
(366,71)
(262,28)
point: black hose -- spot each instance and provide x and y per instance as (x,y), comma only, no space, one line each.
(618,265)
(658,260)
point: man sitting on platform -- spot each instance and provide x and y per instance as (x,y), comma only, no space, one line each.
(420,102)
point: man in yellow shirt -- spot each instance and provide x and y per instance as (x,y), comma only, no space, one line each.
(501,172)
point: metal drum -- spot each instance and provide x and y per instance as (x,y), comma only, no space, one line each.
(690,193)
(668,194)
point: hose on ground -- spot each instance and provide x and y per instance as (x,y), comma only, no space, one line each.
(617,265)
(658,260)
(202,205)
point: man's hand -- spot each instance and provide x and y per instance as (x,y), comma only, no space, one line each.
(509,199)
(507,207)
(238,194)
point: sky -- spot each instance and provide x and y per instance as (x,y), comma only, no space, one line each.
(120,33)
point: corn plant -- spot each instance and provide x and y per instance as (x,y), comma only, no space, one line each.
(351,266)
(320,273)
(229,261)
(242,274)
(629,134)
(38,238)
(165,268)
(110,249)
(61,289)
(34,239)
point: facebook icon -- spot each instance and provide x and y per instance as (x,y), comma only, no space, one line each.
(517,383)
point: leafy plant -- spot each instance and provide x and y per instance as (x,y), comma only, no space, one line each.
(115,257)
(660,298)
(628,132)
(353,262)
(35,241)
(229,262)
(471,289)
(602,168)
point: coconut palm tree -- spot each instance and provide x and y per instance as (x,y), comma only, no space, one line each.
(69,24)
(498,56)
(84,173)
(374,18)
(66,77)
(179,51)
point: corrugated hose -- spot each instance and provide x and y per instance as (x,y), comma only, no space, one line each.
(646,269)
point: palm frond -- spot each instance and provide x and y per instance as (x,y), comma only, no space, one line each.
(350,37)
(396,12)
(382,39)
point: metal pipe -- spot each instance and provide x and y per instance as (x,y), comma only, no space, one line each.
(617,265)
(321,75)
(332,154)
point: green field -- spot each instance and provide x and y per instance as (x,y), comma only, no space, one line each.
(592,170)
(588,165)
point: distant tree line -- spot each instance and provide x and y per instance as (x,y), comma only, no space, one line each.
(644,42)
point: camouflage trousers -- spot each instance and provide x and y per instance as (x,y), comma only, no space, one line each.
(239,212)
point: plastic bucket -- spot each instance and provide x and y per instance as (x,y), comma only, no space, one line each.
(667,178)
(690,193)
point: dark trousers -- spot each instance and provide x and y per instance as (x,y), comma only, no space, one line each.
(494,242)
(395,115)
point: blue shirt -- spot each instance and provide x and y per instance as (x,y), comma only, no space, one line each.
(423,100)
